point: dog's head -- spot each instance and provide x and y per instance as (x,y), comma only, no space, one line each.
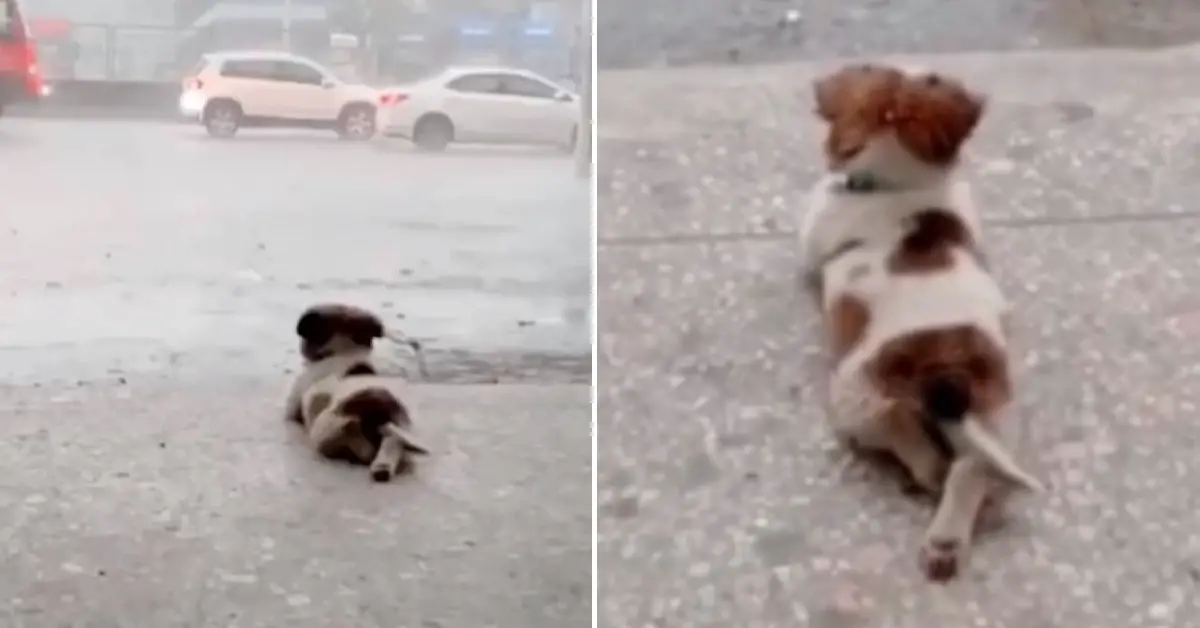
(893,123)
(332,328)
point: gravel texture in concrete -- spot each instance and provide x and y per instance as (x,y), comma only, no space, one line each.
(723,499)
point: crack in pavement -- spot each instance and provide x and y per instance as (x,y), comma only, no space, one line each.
(1007,223)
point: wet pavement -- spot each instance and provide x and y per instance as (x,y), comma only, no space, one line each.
(151,280)
(723,500)
(200,253)
(684,32)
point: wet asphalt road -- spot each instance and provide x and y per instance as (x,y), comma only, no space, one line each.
(151,279)
(153,245)
(723,500)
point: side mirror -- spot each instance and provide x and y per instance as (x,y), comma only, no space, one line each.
(328,84)
(564,97)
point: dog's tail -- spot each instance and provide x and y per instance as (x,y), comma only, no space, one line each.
(947,403)
(418,350)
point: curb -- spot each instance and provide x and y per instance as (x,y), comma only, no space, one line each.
(44,111)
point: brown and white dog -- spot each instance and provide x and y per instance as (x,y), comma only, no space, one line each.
(914,319)
(348,409)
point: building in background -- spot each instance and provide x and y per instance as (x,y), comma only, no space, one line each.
(159,40)
(302,26)
(103,39)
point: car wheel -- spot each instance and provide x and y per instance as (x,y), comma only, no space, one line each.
(222,118)
(433,133)
(572,141)
(356,123)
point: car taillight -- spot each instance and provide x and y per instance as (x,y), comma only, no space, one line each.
(33,76)
(391,100)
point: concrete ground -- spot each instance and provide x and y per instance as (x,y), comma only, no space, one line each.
(152,278)
(723,500)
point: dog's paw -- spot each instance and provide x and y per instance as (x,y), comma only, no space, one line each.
(942,557)
(381,473)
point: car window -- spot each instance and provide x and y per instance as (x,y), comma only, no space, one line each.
(476,84)
(293,72)
(248,68)
(523,86)
(200,66)
(9,21)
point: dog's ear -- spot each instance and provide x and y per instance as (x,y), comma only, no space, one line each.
(936,115)
(362,326)
(836,91)
(320,322)
(314,326)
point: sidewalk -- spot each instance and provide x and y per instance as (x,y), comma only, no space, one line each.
(194,505)
(723,500)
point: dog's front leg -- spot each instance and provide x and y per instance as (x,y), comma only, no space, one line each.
(387,461)
(948,539)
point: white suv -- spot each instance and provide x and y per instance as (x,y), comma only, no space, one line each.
(231,90)
(483,105)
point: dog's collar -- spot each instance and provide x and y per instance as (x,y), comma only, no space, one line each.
(863,182)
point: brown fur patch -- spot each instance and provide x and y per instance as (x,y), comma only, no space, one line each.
(932,115)
(374,407)
(904,364)
(930,243)
(846,323)
(320,322)
(371,405)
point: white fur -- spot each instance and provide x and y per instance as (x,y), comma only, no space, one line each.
(900,304)
(891,163)
(835,215)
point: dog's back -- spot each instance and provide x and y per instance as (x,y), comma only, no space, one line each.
(848,238)
(932,277)
(322,373)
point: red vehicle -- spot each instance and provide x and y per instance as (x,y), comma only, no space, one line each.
(20,77)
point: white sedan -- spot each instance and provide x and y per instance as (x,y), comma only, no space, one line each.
(480,105)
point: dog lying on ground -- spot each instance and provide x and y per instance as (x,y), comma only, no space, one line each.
(914,320)
(348,410)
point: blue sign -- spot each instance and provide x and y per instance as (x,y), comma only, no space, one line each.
(538,30)
(475,28)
